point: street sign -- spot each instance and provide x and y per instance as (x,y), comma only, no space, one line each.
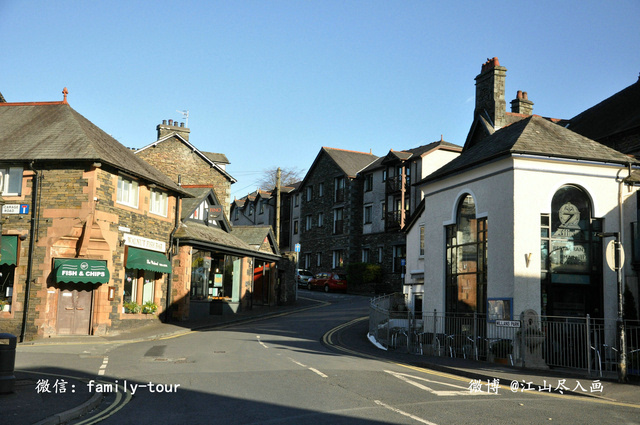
(297,247)
(611,255)
(508,323)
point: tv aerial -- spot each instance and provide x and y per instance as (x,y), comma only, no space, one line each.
(185,114)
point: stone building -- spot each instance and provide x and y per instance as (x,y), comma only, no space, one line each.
(182,162)
(86,225)
(259,209)
(329,204)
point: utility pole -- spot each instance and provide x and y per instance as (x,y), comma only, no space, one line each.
(278,175)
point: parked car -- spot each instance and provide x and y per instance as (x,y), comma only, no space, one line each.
(328,282)
(303,276)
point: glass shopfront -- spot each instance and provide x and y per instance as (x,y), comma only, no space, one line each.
(571,256)
(212,275)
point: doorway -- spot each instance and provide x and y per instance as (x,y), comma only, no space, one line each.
(74,311)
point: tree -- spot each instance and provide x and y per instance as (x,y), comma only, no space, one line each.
(288,176)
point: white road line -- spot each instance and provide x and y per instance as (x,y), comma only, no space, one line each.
(318,372)
(261,343)
(409,415)
(298,363)
(103,366)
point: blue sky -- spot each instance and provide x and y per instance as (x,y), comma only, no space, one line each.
(268,83)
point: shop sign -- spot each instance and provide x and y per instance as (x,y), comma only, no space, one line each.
(144,243)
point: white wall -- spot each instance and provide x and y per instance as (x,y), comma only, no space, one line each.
(512,193)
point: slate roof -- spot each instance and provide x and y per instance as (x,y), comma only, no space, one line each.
(190,204)
(53,131)
(215,238)
(351,162)
(410,153)
(535,136)
(616,114)
(254,236)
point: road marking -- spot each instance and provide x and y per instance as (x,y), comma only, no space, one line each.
(314,370)
(103,366)
(409,415)
(318,372)
(261,343)
(328,340)
(410,379)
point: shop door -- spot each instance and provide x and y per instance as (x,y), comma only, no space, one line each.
(74,312)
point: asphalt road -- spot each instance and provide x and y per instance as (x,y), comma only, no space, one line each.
(281,370)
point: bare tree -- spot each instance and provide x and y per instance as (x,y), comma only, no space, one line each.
(287,176)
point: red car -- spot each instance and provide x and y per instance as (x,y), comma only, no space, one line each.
(328,282)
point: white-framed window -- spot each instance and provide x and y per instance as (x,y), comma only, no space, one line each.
(159,203)
(338,258)
(320,219)
(320,189)
(11,181)
(128,192)
(338,189)
(308,222)
(368,212)
(366,255)
(309,193)
(307,261)
(338,222)
(319,259)
(421,242)
(380,254)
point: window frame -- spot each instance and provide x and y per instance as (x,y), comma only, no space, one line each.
(132,190)
(163,211)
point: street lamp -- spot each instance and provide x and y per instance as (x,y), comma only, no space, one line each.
(622,368)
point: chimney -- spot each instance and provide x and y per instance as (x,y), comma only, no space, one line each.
(521,104)
(490,100)
(173,127)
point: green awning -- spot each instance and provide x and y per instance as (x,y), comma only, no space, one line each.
(142,259)
(9,251)
(81,270)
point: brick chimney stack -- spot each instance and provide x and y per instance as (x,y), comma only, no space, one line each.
(165,129)
(521,104)
(490,93)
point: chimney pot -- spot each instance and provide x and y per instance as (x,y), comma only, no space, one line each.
(164,122)
(525,96)
(170,122)
(181,124)
(519,94)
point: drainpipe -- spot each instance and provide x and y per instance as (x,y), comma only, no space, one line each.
(167,317)
(622,370)
(35,209)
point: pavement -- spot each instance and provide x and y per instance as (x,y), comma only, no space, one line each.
(34,402)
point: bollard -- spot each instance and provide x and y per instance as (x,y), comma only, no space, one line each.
(7,362)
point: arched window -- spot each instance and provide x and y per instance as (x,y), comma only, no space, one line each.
(571,256)
(466,290)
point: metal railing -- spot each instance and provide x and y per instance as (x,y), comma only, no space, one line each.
(586,344)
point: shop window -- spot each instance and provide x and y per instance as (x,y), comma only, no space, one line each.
(127,192)
(7,274)
(130,286)
(211,275)
(11,181)
(132,291)
(159,203)
(466,255)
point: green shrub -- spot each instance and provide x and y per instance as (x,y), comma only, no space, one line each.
(131,307)
(149,307)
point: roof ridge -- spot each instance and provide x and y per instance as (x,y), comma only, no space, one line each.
(347,150)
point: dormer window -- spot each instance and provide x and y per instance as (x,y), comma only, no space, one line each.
(201,212)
